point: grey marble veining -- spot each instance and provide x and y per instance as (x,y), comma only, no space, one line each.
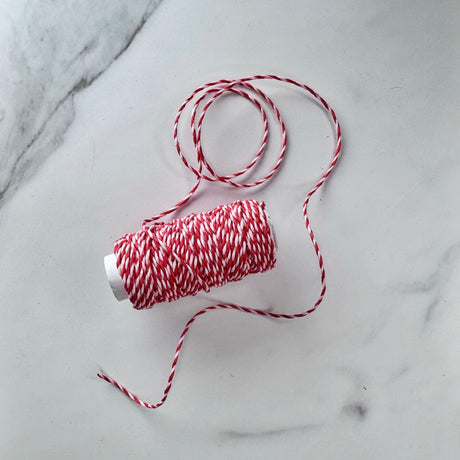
(431,288)
(234,434)
(51,51)
(88,95)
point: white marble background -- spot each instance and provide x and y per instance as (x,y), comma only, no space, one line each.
(88,94)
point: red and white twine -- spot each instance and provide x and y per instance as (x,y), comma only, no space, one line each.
(179,258)
(180,276)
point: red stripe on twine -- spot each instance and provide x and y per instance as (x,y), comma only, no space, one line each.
(208,94)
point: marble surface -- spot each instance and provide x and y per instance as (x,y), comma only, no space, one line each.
(88,95)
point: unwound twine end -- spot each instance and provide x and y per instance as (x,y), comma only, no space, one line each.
(165,261)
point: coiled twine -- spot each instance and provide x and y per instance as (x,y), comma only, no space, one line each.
(165,261)
(176,259)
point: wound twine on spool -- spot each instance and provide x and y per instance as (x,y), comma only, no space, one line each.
(217,247)
(176,259)
(166,261)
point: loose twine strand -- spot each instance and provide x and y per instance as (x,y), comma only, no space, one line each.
(208,94)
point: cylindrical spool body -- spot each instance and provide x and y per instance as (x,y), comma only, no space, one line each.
(182,257)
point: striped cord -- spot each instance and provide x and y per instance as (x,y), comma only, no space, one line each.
(205,95)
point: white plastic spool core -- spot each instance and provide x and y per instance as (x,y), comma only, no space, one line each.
(115,281)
